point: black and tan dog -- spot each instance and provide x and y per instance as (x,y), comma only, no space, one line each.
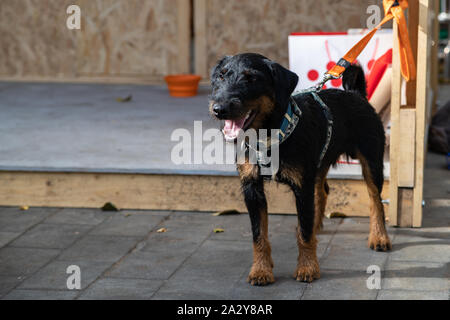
(251,91)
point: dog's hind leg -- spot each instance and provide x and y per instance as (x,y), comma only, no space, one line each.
(320,198)
(255,200)
(372,168)
(307,264)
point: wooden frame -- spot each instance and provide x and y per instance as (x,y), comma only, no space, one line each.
(163,192)
(409,122)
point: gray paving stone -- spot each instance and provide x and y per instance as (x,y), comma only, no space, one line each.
(340,285)
(177,240)
(418,276)
(55,236)
(24,261)
(6,237)
(80,216)
(54,277)
(423,247)
(99,248)
(127,224)
(412,295)
(354,256)
(181,218)
(16,220)
(121,289)
(19,294)
(284,288)
(210,272)
(7,283)
(148,265)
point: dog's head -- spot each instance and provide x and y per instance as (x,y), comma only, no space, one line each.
(249,90)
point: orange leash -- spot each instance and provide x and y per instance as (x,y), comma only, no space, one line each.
(393,9)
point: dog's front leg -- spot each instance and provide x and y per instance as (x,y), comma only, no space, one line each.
(255,200)
(307,264)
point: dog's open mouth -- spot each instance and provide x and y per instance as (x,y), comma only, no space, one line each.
(232,127)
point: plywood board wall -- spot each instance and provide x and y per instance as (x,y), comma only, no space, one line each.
(263,26)
(118,38)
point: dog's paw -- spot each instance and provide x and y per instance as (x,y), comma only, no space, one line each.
(379,242)
(260,277)
(307,273)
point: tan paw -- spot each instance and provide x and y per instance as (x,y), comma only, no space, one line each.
(379,242)
(307,273)
(260,277)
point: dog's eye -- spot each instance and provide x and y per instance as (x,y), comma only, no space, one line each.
(250,78)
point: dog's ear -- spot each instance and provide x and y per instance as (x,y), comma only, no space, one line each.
(216,69)
(284,81)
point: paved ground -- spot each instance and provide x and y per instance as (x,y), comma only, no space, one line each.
(121,255)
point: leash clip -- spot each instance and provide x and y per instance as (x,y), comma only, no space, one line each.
(326,77)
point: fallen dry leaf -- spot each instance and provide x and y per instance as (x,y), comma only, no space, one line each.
(109,207)
(336,215)
(226,212)
(219,230)
(162,230)
(126,99)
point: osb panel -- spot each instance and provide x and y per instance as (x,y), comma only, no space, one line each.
(263,26)
(34,39)
(118,38)
(128,37)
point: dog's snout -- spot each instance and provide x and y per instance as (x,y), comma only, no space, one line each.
(219,110)
(222,110)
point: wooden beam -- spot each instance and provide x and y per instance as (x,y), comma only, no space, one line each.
(422,106)
(201,58)
(395,130)
(184,35)
(163,192)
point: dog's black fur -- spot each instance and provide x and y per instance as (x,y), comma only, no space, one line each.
(251,82)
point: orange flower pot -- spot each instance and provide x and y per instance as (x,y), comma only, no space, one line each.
(183,85)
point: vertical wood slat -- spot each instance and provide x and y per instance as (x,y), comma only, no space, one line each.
(434,56)
(201,61)
(395,129)
(407,147)
(422,105)
(184,12)
(413,23)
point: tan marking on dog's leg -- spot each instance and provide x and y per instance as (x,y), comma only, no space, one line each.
(378,237)
(261,272)
(308,264)
(320,200)
(247,170)
(294,175)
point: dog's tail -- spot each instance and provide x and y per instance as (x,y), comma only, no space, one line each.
(353,80)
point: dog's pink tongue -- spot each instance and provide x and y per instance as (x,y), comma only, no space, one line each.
(232,127)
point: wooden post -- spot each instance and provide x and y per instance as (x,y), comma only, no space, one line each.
(395,130)
(201,61)
(408,122)
(422,105)
(434,56)
(184,11)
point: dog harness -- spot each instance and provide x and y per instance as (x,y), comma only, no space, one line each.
(290,121)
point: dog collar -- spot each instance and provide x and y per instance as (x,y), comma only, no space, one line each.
(290,120)
(288,125)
